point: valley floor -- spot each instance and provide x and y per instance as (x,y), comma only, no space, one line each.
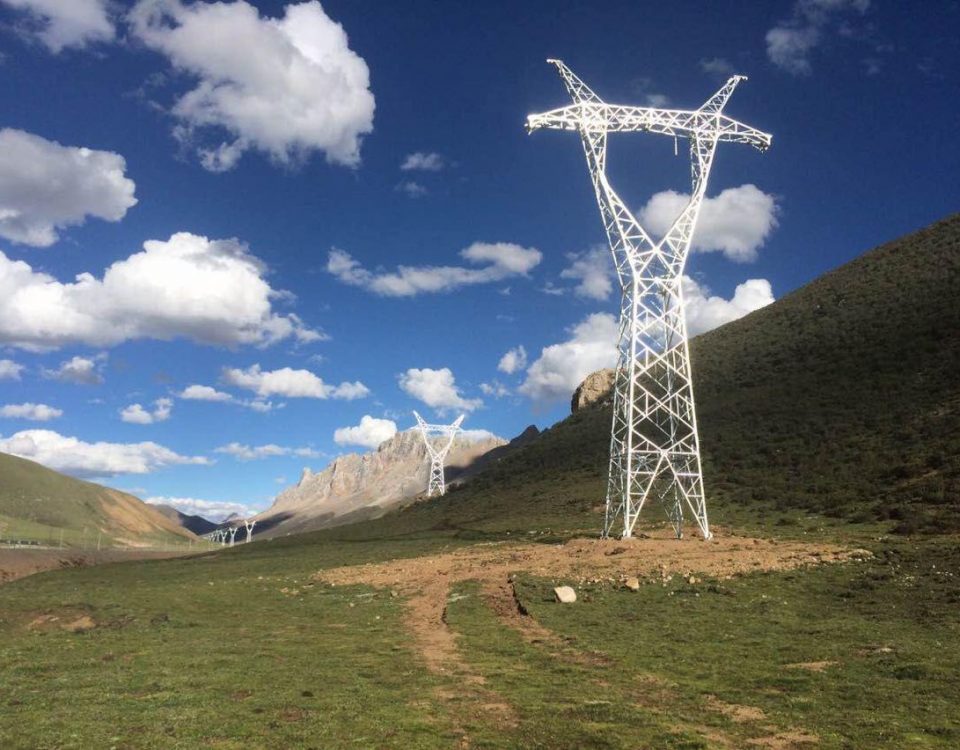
(19,562)
(413,641)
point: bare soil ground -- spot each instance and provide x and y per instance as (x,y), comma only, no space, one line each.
(426,581)
(17,563)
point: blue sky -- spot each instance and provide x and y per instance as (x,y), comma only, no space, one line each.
(284,161)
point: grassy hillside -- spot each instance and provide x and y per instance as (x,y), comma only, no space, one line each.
(842,399)
(36,503)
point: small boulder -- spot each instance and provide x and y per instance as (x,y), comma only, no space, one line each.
(632,583)
(565,594)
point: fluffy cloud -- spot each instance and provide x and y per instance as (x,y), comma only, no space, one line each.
(80,370)
(513,360)
(790,42)
(423,161)
(204,393)
(412,189)
(207,393)
(593,270)
(10,370)
(291,383)
(502,259)
(212,510)
(66,23)
(736,222)
(369,433)
(495,389)
(284,86)
(592,345)
(243,452)
(209,291)
(136,414)
(437,389)
(45,187)
(33,412)
(705,312)
(561,367)
(73,456)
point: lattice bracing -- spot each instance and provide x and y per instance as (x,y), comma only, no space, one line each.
(654,446)
(437,450)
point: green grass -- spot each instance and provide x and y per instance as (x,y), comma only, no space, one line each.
(212,652)
(889,625)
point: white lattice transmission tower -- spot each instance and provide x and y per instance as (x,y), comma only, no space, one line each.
(654,446)
(437,450)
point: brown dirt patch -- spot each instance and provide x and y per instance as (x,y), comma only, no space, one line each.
(786,741)
(740,714)
(426,582)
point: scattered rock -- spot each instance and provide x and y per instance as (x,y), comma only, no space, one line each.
(80,625)
(565,594)
(632,583)
(860,554)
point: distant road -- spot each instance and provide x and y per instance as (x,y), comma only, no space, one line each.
(24,561)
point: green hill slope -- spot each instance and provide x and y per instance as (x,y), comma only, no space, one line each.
(842,399)
(36,503)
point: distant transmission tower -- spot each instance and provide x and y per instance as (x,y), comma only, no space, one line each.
(436,485)
(654,447)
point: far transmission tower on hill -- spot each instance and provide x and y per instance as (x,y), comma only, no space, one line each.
(654,446)
(437,453)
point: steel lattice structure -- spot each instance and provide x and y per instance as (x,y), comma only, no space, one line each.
(654,446)
(438,455)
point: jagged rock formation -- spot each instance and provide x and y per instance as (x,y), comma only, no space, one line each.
(597,388)
(357,486)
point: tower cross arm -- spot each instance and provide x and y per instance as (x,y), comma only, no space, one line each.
(679,123)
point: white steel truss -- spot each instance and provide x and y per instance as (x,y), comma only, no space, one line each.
(654,446)
(437,454)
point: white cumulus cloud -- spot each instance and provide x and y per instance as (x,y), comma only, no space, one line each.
(499,261)
(204,393)
(136,414)
(791,41)
(78,458)
(592,346)
(424,161)
(291,383)
(208,291)
(65,23)
(705,312)
(593,271)
(437,389)
(45,187)
(212,510)
(80,370)
(33,412)
(560,368)
(10,370)
(369,433)
(736,222)
(513,360)
(284,86)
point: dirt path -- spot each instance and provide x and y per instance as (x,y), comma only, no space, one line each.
(18,563)
(426,582)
